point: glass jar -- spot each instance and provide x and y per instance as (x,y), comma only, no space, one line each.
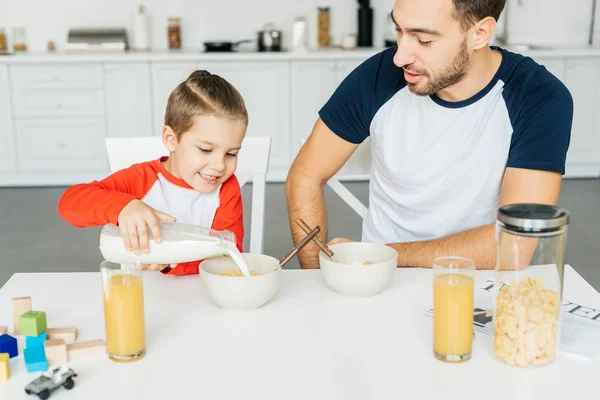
(19,38)
(174,31)
(3,40)
(530,244)
(323,23)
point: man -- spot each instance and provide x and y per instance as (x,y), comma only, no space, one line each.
(457,128)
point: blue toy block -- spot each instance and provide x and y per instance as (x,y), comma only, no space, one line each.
(33,341)
(8,344)
(35,359)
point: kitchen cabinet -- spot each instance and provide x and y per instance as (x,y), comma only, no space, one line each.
(128,100)
(312,85)
(55,111)
(265,89)
(61,144)
(165,78)
(7,147)
(583,81)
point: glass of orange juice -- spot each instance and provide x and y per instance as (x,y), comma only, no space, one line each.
(122,290)
(453,292)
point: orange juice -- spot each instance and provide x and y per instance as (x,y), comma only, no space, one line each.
(452,316)
(124,317)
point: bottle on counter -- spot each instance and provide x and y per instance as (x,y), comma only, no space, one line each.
(19,39)
(365,24)
(324,21)
(141,36)
(174,31)
(3,40)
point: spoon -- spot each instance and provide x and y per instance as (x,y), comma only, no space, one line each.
(311,235)
(317,240)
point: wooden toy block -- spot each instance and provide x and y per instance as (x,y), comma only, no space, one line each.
(32,323)
(69,335)
(31,341)
(20,306)
(4,367)
(56,352)
(8,344)
(3,330)
(35,359)
(81,350)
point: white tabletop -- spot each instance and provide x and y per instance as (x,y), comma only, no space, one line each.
(307,343)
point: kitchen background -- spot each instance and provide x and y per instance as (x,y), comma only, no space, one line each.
(542,22)
(56,110)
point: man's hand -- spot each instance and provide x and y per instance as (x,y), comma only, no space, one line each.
(339,240)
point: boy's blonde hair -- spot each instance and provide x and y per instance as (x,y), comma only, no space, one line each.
(203,93)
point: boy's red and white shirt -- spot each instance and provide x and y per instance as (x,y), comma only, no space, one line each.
(101,202)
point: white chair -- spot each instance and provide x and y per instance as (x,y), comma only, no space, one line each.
(253,164)
(345,194)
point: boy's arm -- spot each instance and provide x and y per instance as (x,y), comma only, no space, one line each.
(229,216)
(101,202)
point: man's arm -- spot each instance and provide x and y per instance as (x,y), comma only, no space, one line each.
(323,154)
(478,244)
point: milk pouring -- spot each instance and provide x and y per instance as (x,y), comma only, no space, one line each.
(180,243)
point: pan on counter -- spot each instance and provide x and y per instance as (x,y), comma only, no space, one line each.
(223,46)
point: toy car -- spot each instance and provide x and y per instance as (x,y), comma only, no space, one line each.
(50,380)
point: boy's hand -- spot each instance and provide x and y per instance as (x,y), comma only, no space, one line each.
(134,221)
(156,267)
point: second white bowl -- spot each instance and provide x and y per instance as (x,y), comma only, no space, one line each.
(347,276)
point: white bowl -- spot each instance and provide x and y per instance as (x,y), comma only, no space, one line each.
(349,279)
(240,293)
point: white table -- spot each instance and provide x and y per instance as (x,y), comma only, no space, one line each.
(307,343)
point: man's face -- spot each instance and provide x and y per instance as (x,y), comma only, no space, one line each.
(432,47)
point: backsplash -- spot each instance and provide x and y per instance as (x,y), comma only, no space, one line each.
(532,21)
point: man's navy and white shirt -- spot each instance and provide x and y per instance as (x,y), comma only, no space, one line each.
(437,166)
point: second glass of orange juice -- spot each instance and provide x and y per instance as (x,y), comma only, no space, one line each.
(123,311)
(453,292)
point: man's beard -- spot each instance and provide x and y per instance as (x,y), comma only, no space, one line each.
(451,75)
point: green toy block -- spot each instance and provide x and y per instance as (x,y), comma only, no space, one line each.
(32,323)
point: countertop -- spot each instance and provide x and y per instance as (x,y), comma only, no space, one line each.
(160,56)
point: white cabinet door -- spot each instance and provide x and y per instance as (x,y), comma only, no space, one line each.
(59,145)
(265,89)
(128,102)
(312,85)
(583,80)
(165,78)
(7,145)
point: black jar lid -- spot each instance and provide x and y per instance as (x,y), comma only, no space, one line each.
(533,217)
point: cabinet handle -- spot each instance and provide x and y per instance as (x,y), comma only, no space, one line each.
(62,145)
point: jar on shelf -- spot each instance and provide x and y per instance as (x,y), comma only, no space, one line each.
(324,21)
(19,39)
(530,242)
(3,40)
(174,32)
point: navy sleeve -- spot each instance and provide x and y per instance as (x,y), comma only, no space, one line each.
(351,108)
(542,122)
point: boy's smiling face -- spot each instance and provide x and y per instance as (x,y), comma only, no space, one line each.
(205,156)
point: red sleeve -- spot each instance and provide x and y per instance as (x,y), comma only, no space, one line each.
(101,202)
(229,216)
